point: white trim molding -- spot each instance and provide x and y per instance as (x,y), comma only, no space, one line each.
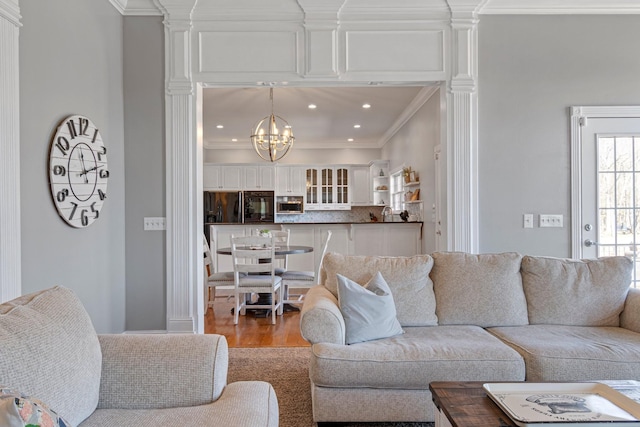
(564,7)
(184,251)
(462,105)
(578,116)
(10,243)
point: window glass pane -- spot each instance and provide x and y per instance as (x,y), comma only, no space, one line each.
(624,190)
(607,227)
(606,154)
(606,190)
(624,154)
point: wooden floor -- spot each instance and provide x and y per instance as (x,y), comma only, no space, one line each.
(252,331)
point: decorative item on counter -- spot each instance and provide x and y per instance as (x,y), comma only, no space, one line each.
(373,217)
(416,195)
(406,172)
(408,196)
(264,233)
(404,215)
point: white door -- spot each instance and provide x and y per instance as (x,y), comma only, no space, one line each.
(609,185)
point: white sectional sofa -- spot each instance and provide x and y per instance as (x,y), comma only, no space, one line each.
(487,317)
(50,353)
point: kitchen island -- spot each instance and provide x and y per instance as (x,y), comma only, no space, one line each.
(352,238)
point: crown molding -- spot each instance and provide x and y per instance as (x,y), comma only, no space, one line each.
(566,7)
(10,10)
(421,98)
(136,7)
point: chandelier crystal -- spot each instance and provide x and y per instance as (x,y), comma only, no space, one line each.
(272,136)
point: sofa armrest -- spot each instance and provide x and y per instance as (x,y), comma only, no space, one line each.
(162,371)
(630,317)
(320,318)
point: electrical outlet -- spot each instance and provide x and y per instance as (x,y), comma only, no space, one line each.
(551,221)
(527,221)
(155,223)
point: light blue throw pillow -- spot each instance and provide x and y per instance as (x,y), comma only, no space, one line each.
(369,311)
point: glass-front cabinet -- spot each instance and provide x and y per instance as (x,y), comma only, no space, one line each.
(327,188)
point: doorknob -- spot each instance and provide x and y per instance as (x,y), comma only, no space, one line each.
(588,243)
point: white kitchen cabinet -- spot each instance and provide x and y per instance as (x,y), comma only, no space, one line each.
(290,181)
(259,177)
(222,178)
(327,188)
(360,185)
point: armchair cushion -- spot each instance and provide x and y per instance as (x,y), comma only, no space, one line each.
(62,357)
(576,292)
(132,365)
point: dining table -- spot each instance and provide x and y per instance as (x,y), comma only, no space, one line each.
(265,298)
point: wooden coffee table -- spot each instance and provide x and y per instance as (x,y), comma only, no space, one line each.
(465,404)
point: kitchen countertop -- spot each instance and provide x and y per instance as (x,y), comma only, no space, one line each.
(258,224)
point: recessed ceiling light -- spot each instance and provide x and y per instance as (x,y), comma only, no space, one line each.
(312,106)
(356,126)
(366,105)
(220,126)
(234,140)
(350,140)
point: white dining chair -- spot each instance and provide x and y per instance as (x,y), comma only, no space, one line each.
(222,280)
(292,279)
(254,272)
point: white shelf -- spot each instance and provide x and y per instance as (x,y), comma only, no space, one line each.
(412,184)
(411,202)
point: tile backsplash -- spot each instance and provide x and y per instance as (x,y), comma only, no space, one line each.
(356,214)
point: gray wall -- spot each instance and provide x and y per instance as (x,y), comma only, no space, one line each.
(145,171)
(532,69)
(71,63)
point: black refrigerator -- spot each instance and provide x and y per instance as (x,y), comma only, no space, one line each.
(222,207)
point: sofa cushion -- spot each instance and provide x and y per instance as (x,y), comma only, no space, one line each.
(576,292)
(50,350)
(408,279)
(414,359)
(575,353)
(483,290)
(369,312)
(20,410)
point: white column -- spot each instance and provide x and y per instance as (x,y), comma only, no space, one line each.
(10,247)
(184,241)
(462,106)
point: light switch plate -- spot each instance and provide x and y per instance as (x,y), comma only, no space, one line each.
(551,221)
(155,223)
(527,221)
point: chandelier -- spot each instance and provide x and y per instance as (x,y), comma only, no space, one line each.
(272,136)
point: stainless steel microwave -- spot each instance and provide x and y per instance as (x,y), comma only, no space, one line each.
(289,205)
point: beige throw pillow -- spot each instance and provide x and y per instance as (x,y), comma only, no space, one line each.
(576,292)
(407,277)
(483,290)
(369,312)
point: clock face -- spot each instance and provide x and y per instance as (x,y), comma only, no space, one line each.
(78,171)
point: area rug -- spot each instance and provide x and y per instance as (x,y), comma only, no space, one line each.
(287,369)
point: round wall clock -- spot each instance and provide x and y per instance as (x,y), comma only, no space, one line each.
(78,171)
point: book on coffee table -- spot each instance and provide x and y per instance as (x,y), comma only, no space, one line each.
(564,404)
